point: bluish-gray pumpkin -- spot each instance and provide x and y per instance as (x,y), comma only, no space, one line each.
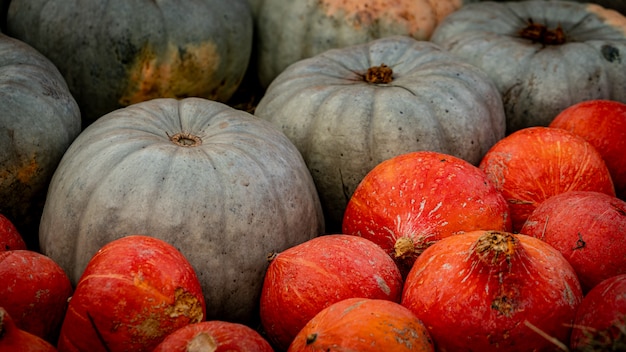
(222,186)
(544,56)
(39,119)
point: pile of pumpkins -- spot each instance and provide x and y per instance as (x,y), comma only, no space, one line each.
(233,132)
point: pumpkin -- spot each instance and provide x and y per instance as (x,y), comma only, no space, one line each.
(214,336)
(603,124)
(363,324)
(114,54)
(536,163)
(410,201)
(39,119)
(10,238)
(34,291)
(600,323)
(222,186)
(134,292)
(588,228)
(544,56)
(491,291)
(289,32)
(306,278)
(13,338)
(349,109)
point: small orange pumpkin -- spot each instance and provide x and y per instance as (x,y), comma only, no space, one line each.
(363,324)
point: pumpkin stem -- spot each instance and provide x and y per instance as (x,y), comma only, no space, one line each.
(403,247)
(311,338)
(271,256)
(379,74)
(540,33)
(185,139)
(495,247)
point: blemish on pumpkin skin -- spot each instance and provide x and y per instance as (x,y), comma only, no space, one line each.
(27,171)
(411,14)
(611,17)
(178,72)
(185,304)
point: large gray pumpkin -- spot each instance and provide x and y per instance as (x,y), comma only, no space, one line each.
(347,112)
(119,52)
(39,119)
(222,186)
(544,56)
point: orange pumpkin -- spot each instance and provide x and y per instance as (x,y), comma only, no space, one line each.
(603,124)
(13,338)
(363,324)
(134,292)
(535,163)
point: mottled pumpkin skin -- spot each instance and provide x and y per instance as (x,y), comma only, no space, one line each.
(288,31)
(39,119)
(113,54)
(225,203)
(344,125)
(537,81)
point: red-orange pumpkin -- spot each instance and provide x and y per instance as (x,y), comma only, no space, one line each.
(600,323)
(304,279)
(535,163)
(214,336)
(588,228)
(34,290)
(603,124)
(134,292)
(478,291)
(13,339)
(10,237)
(408,202)
(364,325)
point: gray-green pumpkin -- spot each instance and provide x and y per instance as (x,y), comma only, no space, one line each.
(544,56)
(39,119)
(116,53)
(225,188)
(289,31)
(349,109)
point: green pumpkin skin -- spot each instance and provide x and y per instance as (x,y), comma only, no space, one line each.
(538,81)
(116,53)
(226,199)
(39,119)
(344,126)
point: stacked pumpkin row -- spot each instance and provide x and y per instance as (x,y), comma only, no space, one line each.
(227,188)
(349,291)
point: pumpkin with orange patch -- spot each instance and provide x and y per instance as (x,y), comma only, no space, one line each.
(139,50)
(305,28)
(39,118)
